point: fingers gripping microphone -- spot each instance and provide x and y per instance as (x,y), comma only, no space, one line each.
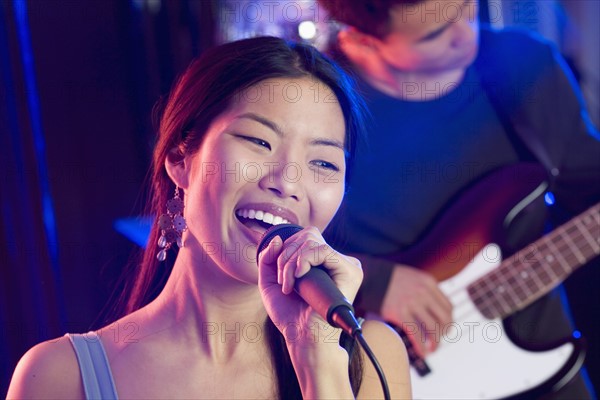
(316,287)
(318,290)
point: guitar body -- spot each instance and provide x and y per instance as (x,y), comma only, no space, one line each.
(477,216)
(476,358)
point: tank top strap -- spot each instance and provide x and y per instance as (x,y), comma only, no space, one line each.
(96,375)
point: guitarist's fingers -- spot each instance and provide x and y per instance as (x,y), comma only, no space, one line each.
(415,302)
(422,330)
(442,317)
(426,330)
(417,340)
(431,328)
(443,303)
(438,298)
(441,310)
(435,314)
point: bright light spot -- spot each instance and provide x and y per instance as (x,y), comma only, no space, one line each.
(549,198)
(307,30)
(151,5)
(576,334)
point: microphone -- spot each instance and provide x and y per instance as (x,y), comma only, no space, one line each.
(316,287)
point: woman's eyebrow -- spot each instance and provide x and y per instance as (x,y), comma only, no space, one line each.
(327,142)
(262,120)
(275,128)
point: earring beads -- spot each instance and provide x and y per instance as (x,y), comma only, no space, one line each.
(171,224)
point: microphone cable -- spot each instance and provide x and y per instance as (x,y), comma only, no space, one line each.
(358,336)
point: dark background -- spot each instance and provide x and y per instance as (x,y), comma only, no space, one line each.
(77,86)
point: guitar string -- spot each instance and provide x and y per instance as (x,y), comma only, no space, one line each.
(543,241)
(538,267)
(555,239)
(513,274)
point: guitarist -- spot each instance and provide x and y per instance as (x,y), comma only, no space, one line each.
(452,101)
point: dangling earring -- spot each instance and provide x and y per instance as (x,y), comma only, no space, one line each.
(172,224)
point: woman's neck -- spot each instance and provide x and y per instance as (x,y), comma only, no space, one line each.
(210,308)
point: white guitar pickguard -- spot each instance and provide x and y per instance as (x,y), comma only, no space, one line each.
(476,359)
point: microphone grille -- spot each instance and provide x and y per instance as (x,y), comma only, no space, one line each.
(284,231)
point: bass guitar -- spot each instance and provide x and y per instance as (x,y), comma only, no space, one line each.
(476,358)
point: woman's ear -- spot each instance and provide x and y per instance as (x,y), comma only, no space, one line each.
(176,165)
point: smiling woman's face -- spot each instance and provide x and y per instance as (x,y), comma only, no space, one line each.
(276,155)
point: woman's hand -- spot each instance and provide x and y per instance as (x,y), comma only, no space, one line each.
(280,264)
(320,363)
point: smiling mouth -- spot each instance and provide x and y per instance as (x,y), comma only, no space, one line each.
(259,220)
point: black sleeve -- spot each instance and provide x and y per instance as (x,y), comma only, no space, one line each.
(377,274)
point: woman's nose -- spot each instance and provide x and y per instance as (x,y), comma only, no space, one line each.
(283,179)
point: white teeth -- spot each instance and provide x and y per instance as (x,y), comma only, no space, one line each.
(262,216)
(268,218)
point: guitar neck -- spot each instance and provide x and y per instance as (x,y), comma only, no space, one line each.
(537,269)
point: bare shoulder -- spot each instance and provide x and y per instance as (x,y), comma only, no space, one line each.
(391,353)
(379,328)
(47,370)
(384,338)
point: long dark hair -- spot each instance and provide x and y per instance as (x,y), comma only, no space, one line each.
(202,93)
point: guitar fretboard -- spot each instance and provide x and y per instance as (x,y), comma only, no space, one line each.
(540,267)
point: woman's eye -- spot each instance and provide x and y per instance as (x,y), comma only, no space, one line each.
(256,141)
(325,165)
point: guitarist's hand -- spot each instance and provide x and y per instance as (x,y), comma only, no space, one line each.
(414,302)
